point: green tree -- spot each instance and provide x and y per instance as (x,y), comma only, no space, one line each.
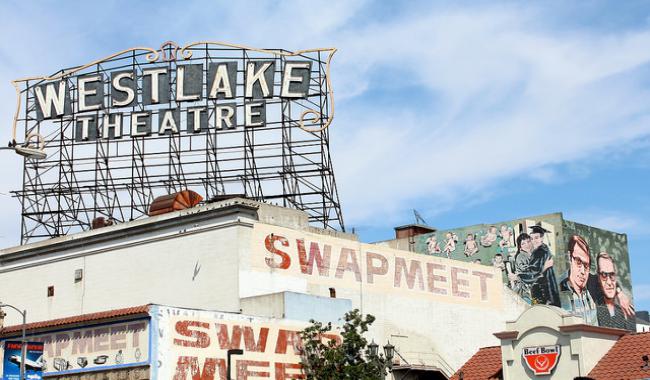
(350,358)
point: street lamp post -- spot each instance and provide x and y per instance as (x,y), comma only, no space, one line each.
(26,151)
(23,345)
(389,352)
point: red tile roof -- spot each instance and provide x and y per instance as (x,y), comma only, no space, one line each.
(78,319)
(623,360)
(484,365)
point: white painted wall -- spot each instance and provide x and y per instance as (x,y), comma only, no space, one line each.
(156,267)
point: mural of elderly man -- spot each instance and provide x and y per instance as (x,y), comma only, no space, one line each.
(544,291)
(573,288)
(609,312)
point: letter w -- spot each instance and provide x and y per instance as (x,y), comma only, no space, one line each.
(225,342)
(322,261)
(51,98)
(191,364)
(249,339)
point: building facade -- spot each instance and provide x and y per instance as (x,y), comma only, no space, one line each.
(258,260)
(244,274)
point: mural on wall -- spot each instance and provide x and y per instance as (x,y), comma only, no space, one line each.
(597,283)
(523,250)
(547,260)
(92,348)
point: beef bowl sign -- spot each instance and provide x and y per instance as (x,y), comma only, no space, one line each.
(541,359)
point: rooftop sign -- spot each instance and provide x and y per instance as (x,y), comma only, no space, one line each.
(149,98)
(106,138)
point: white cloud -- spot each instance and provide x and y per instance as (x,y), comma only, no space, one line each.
(544,175)
(613,221)
(510,100)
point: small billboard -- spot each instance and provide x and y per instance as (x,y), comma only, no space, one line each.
(34,362)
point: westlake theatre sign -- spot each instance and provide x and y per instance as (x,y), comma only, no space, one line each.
(218,79)
(106,138)
(100,101)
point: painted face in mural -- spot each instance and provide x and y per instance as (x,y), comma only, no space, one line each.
(607,276)
(526,246)
(579,272)
(537,239)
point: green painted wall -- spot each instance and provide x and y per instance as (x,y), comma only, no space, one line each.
(495,244)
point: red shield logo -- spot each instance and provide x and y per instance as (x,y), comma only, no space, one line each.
(542,359)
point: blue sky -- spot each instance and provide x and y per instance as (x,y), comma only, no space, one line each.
(468,111)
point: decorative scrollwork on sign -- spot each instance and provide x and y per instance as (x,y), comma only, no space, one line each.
(153,56)
(187,54)
(36,139)
(170,47)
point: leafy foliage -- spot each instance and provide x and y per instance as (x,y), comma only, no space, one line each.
(324,358)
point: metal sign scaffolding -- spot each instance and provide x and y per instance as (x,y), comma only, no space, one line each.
(285,161)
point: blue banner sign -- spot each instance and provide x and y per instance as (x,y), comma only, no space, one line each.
(34,362)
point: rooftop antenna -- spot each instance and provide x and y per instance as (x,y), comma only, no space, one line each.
(418,218)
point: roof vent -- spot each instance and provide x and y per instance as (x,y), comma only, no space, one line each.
(174,202)
(100,222)
(412,230)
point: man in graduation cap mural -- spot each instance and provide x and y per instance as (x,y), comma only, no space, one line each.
(545,290)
